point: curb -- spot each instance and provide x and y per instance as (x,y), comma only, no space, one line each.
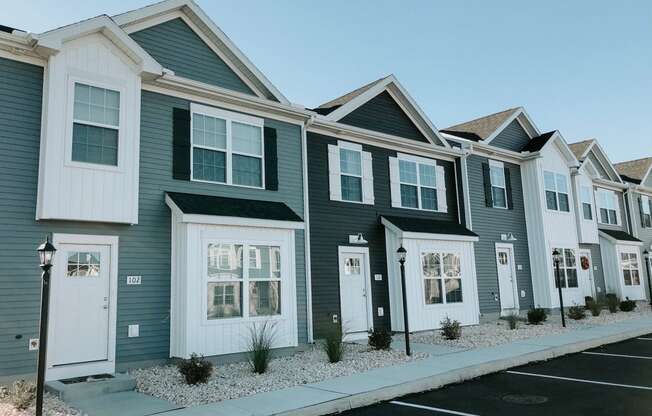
(456,376)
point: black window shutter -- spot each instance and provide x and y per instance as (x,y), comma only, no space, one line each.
(640,209)
(487,185)
(271,160)
(181,144)
(508,188)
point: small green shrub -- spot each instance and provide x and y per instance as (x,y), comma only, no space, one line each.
(576,312)
(332,344)
(196,369)
(595,307)
(261,339)
(451,329)
(536,316)
(380,339)
(627,305)
(588,300)
(612,302)
(512,319)
(22,395)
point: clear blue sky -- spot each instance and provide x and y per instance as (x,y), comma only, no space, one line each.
(582,67)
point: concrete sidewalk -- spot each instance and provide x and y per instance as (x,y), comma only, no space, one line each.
(443,366)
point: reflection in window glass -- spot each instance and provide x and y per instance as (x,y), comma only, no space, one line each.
(630,267)
(352,266)
(83,264)
(441,270)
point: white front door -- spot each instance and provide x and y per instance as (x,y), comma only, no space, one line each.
(506,277)
(585,274)
(80,304)
(354,290)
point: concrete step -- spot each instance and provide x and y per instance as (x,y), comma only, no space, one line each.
(72,391)
(128,403)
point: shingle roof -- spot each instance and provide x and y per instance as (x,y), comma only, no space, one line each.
(634,169)
(481,128)
(579,148)
(538,142)
(619,235)
(7,29)
(336,103)
(233,207)
(429,226)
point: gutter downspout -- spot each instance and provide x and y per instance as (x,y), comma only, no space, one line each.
(306,220)
(465,186)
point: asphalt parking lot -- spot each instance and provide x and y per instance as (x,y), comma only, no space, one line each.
(612,380)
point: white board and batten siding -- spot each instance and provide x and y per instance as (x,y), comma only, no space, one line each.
(613,272)
(421,316)
(71,190)
(190,330)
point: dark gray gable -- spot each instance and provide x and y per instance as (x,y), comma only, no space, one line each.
(648,181)
(384,115)
(598,166)
(175,46)
(513,137)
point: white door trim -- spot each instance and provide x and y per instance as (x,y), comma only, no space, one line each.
(98,367)
(581,252)
(510,247)
(365,252)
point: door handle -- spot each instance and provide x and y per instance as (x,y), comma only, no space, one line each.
(105,307)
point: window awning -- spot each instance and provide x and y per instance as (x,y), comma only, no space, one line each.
(420,228)
(207,209)
(618,236)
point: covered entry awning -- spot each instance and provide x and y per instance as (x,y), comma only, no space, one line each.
(620,237)
(208,209)
(421,228)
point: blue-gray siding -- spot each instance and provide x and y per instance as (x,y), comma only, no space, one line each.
(644,234)
(513,137)
(144,248)
(489,223)
(382,114)
(331,223)
(175,46)
(624,224)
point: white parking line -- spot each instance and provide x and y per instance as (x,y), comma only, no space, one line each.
(579,380)
(640,357)
(433,409)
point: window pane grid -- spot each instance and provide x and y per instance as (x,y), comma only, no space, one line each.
(96,105)
(92,144)
(556,189)
(567,269)
(630,266)
(442,278)
(418,185)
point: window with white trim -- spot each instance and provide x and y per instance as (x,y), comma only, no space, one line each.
(556,186)
(351,174)
(567,269)
(235,291)
(227,147)
(646,211)
(630,266)
(442,278)
(350,170)
(418,185)
(587,204)
(608,203)
(498,184)
(96,125)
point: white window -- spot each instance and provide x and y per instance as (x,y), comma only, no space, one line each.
(417,183)
(83,264)
(96,125)
(567,269)
(442,278)
(350,173)
(646,211)
(498,184)
(237,292)
(556,186)
(629,266)
(587,204)
(226,147)
(608,204)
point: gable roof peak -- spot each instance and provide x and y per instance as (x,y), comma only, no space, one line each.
(485,127)
(581,148)
(343,99)
(637,169)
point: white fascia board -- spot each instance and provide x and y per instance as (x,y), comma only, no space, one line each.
(614,186)
(205,23)
(640,189)
(481,149)
(647,174)
(620,242)
(230,221)
(54,39)
(588,168)
(561,144)
(412,112)
(425,236)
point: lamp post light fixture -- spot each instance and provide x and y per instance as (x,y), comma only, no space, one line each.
(646,256)
(401,254)
(557,257)
(46,254)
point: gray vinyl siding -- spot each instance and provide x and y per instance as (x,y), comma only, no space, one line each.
(382,114)
(598,275)
(489,223)
(513,137)
(331,223)
(601,170)
(648,181)
(643,234)
(175,46)
(144,249)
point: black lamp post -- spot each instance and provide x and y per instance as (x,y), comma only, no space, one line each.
(401,253)
(46,254)
(646,256)
(556,255)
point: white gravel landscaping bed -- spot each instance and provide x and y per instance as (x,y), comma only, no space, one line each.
(231,381)
(52,406)
(498,332)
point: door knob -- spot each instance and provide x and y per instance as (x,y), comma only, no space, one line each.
(105,307)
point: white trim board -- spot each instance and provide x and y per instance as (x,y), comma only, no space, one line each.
(426,236)
(368,286)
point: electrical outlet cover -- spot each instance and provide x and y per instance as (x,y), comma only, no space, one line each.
(34,344)
(134,331)
(381,311)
